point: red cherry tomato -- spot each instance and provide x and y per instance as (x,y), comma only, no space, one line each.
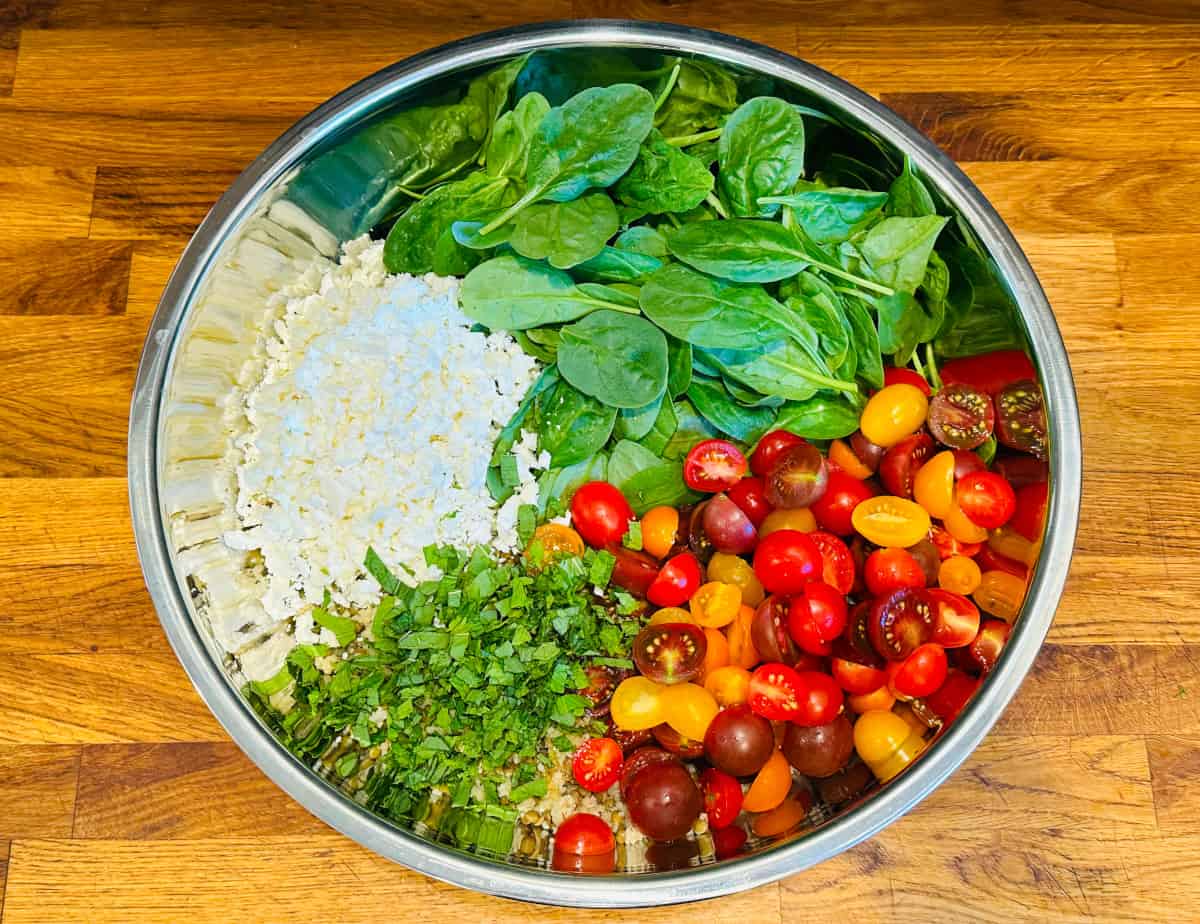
(1021,418)
(987,499)
(989,372)
(728,842)
(966,462)
(633,571)
(857,679)
(821,699)
(1030,514)
(816,616)
(842,494)
(584,834)
(786,560)
(1021,470)
(770,448)
(600,513)
(900,463)
(955,618)
(750,495)
(597,764)
(920,673)
(676,582)
(837,564)
(713,465)
(893,375)
(947,701)
(779,693)
(961,417)
(722,798)
(900,623)
(989,559)
(890,569)
(947,546)
(981,655)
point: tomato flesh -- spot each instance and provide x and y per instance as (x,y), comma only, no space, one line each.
(961,417)
(676,582)
(955,618)
(891,521)
(900,463)
(984,651)
(834,510)
(775,692)
(713,465)
(857,679)
(900,623)
(722,798)
(597,764)
(920,673)
(798,478)
(1021,418)
(837,564)
(600,513)
(670,652)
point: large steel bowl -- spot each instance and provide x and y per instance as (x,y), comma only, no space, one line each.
(200,331)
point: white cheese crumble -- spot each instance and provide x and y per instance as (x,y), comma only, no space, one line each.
(373,425)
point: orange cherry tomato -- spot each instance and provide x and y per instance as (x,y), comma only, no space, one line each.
(672,614)
(688,708)
(729,685)
(1008,542)
(784,817)
(730,569)
(933,485)
(960,526)
(557,539)
(882,698)
(959,574)
(741,645)
(1000,594)
(845,458)
(659,527)
(800,519)
(771,785)
(893,413)
(891,521)
(637,704)
(716,655)
(716,604)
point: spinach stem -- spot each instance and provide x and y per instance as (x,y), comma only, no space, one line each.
(850,277)
(412,193)
(712,200)
(531,196)
(662,97)
(916,361)
(683,141)
(935,378)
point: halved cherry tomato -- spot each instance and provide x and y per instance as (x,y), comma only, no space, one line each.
(632,571)
(990,560)
(966,462)
(676,582)
(771,785)
(899,466)
(787,560)
(729,685)
(807,698)
(900,623)
(961,417)
(869,454)
(955,618)
(927,556)
(962,527)
(689,708)
(637,704)
(770,631)
(601,682)
(834,510)
(920,673)
(869,702)
(1021,418)
(775,692)
(798,478)
(948,700)
(659,527)
(837,564)
(947,545)
(800,519)
(983,653)
(730,569)
(713,465)
(989,372)
(959,574)
(896,375)
(716,604)
(1000,594)
(726,526)
(676,743)
(890,569)
(1021,470)
(670,614)
(1030,514)
(891,521)
(892,413)
(597,764)
(844,458)
(817,616)
(987,499)
(741,642)
(717,655)
(722,798)
(857,679)
(750,495)
(600,513)
(557,539)
(1008,542)
(933,484)
(671,652)
(770,448)
(584,834)
(781,819)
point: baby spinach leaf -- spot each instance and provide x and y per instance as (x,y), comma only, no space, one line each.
(986,327)
(414,237)
(450,258)
(902,322)
(908,197)
(508,435)
(615,265)
(748,396)
(783,369)
(544,352)
(610,293)
(843,170)
(866,342)
(508,150)
(690,429)
(618,359)
(571,426)
(821,417)
(635,423)
(560,483)
(665,424)
(740,249)
(560,73)
(704,93)
(626,459)
(830,216)
(898,249)
(659,486)
(512,293)
(565,233)
(824,318)
(717,406)
(679,366)
(664,179)
(645,240)
(467,234)
(760,153)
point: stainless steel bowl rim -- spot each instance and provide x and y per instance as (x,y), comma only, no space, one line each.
(624,890)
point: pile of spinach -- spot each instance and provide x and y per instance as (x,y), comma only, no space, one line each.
(687,262)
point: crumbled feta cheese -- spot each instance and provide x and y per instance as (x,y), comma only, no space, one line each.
(372,424)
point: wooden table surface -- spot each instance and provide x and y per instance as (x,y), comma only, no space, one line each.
(121,799)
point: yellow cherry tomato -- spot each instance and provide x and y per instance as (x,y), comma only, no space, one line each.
(672,614)
(771,785)
(637,704)
(729,685)
(882,698)
(659,527)
(741,643)
(959,574)
(557,539)
(893,413)
(960,526)
(933,485)
(800,519)
(716,604)
(891,521)
(886,742)
(1000,594)
(688,708)
(716,655)
(1011,544)
(729,569)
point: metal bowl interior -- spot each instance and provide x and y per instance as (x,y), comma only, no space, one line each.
(210,314)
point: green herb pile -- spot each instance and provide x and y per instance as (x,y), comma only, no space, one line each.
(474,670)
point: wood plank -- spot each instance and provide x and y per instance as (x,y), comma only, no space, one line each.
(1009,126)
(38,796)
(275,880)
(40,522)
(160,791)
(134,203)
(151,267)
(75,609)
(99,699)
(45,202)
(78,277)
(1174,769)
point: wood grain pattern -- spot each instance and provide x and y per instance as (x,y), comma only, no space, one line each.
(124,801)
